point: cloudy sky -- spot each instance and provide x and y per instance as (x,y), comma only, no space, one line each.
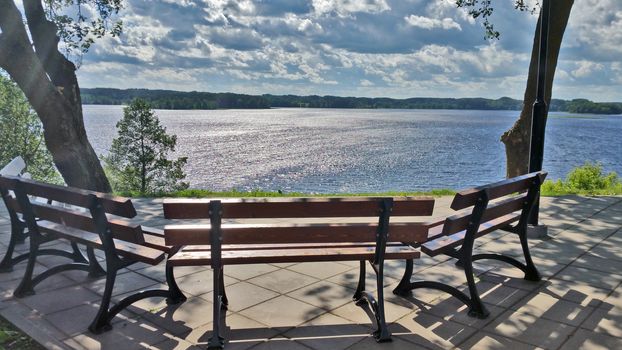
(401,48)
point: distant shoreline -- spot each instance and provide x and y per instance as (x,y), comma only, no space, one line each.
(169,99)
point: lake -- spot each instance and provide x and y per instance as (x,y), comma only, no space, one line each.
(345,150)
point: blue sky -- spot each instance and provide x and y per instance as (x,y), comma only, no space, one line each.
(351,48)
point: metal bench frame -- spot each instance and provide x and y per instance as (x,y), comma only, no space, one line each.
(114,262)
(465,256)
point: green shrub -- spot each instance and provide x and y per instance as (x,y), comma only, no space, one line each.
(588,179)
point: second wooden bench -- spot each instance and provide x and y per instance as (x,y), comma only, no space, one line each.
(281,239)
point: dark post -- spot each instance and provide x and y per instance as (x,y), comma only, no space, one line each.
(540,108)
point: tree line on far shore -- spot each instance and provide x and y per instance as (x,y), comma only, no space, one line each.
(168,99)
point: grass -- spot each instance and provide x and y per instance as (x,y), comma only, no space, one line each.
(572,116)
(13,338)
(197,193)
(588,179)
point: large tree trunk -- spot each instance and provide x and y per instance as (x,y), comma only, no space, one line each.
(49,82)
(517,138)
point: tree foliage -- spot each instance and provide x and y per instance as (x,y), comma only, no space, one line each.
(483,9)
(138,157)
(41,45)
(80,22)
(22,134)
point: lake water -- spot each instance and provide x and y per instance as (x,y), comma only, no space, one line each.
(343,150)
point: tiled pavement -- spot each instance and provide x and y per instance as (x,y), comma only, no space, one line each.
(308,306)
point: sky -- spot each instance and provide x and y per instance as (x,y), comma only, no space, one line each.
(373,48)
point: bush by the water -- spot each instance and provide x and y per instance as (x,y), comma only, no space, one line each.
(588,179)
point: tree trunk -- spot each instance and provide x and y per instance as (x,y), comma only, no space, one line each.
(49,82)
(517,138)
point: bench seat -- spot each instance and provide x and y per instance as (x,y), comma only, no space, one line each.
(441,243)
(90,239)
(197,256)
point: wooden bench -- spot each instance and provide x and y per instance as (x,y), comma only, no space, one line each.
(282,239)
(503,205)
(97,221)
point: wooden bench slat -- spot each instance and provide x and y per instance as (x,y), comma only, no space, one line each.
(494,210)
(119,206)
(231,257)
(296,207)
(292,233)
(123,248)
(467,198)
(443,243)
(121,229)
(287,246)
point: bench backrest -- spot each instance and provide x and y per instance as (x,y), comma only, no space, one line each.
(494,201)
(276,231)
(71,207)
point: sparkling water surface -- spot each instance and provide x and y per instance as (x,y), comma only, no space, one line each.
(346,150)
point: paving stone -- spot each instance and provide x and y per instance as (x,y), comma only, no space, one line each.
(593,262)
(282,311)
(430,331)
(282,281)
(452,309)
(280,344)
(350,279)
(396,344)
(244,272)
(182,318)
(555,309)
(530,329)
(76,320)
(328,332)
(131,335)
(47,302)
(33,324)
(319,270)
(609,249)
(239,332)
(592,277)
(485,340)
(364,315)
(158,272)
(243,295)
(606,319)
(575,291)
(586,340)
(324,294)
(175,344)
(199,283)
(124,283)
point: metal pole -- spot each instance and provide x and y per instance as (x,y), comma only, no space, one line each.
(540,108)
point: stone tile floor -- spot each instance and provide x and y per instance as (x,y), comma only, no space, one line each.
(307,306)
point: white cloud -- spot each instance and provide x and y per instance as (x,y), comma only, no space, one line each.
(346,7)
(431,23)
(365,82)
(375,47)
(586,68)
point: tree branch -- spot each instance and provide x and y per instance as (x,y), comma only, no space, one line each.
(18,58)
(45,40)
